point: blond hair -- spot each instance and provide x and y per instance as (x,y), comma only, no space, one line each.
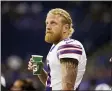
(66,15)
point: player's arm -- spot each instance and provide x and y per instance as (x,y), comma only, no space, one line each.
(69,55)
(69,73)
(42,77)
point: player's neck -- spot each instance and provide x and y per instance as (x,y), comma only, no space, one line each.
(63,37)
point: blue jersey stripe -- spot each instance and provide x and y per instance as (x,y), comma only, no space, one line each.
(49,77)
(69,52)
(69,46)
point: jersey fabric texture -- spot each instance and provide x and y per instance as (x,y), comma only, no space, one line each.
(67,48)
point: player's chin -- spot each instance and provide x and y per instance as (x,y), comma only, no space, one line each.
(48,39)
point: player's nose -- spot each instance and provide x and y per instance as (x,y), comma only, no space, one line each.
(48,30)
(48,27)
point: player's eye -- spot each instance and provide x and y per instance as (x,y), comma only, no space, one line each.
(53,23)
(46,23)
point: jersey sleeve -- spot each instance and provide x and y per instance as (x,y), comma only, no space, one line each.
(69,51)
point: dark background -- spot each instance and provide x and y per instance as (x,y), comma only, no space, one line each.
(23,31)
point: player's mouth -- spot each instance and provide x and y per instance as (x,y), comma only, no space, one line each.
(48,33)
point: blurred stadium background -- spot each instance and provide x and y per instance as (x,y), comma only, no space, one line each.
(23,30)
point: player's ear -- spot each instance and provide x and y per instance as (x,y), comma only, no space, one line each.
(65,28)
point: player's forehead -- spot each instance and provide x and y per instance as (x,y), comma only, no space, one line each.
(51,17)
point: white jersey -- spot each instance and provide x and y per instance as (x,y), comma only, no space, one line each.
(68,48)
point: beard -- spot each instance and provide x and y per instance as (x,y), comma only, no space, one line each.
(51,38)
